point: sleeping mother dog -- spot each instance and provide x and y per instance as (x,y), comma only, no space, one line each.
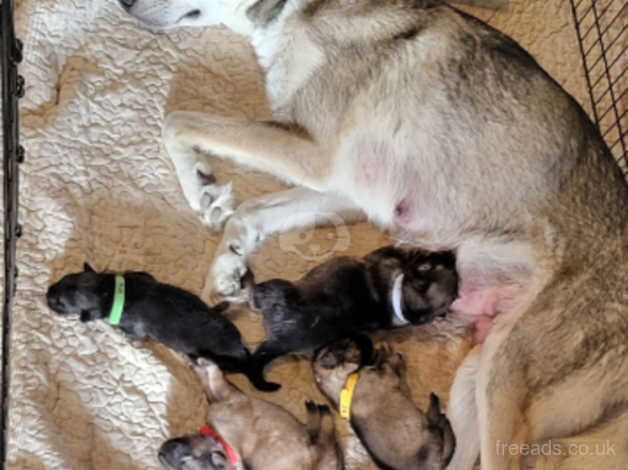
(444,131)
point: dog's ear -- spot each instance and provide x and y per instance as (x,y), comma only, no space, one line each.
(87,268)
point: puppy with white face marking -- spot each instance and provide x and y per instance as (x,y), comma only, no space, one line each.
(244,432)
(143,308)
(446,132)
(369,389)
(344,296)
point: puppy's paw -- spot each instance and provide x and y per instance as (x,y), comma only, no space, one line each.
(225,278)
(204,363)
(216,205)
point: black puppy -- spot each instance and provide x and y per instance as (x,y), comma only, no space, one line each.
(388,288)
(146,309)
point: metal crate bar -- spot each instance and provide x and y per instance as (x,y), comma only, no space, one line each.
(601,32)
(13,155)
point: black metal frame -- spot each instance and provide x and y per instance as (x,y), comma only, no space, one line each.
(601,32)
(12,90)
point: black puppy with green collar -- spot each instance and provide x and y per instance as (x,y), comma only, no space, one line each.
(144,308)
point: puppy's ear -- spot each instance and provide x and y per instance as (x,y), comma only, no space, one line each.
(433,412)
(89,315)
(218,460)
(87,268)
(439,425)
(221,307)
(143,274)
(365,347)
(397,364)
(328,358)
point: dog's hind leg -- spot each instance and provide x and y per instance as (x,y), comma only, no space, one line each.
(603,447)
(503,428)
(260,218)
(462,413)
(557,371)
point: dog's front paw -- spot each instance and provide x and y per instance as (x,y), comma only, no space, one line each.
(216,203)
(225,278)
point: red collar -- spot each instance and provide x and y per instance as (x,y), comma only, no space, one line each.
(232,455)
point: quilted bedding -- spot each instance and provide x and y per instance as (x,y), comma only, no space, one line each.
(98,186)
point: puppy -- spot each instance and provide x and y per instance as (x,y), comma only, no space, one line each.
(376,399)
(146,309)
(388,288)
(247,432)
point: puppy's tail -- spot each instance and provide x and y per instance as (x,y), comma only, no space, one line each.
(322,433)
(247,365)
(254,370)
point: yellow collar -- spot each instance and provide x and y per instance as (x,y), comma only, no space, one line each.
(346,395)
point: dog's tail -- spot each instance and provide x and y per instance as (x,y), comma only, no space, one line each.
(493,4)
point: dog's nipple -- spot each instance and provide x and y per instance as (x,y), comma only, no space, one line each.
(403,212)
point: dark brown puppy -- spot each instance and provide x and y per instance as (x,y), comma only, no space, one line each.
(397,434)
(388,288)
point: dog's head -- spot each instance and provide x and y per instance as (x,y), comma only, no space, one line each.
(194,452)
(430,285)
(420,285)
(83,293)
(166,14)
(334,363)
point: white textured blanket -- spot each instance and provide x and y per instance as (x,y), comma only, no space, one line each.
(98,186)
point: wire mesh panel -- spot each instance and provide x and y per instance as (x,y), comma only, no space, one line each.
(12,156)
(601,29)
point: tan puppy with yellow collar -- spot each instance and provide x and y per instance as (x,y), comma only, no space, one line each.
(373,394)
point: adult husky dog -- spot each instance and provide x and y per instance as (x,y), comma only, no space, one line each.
(444,131)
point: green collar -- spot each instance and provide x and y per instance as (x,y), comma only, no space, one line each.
(118,301)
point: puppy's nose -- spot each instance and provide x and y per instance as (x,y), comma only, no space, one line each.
(127,4)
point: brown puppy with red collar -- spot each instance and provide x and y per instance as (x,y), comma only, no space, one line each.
(245,432)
